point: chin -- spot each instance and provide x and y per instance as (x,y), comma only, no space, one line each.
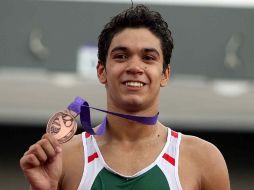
(133,105)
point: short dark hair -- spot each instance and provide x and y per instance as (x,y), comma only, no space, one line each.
(137,17)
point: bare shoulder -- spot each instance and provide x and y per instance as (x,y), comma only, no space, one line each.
(72,150)
(199,148)
(73,162)
(209,162)
(74,144)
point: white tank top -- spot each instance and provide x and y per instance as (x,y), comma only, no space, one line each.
(97,173)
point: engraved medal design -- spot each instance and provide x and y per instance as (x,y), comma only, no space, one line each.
(62,125)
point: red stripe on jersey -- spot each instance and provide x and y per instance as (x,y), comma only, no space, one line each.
(170,159)
(87,135)
(174,134)
(92,157)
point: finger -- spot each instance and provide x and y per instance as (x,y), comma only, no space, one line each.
(29,161)
(47,148)
(38,151)
(51,139)
(54,142)
(26,153)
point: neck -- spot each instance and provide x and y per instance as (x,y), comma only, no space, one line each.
(124,129)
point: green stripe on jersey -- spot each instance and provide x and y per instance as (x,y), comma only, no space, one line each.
(153,179)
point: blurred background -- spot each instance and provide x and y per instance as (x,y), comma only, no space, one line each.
(48,56)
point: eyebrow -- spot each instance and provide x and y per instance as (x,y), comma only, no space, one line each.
(146,50)
(153,50)
(119,48)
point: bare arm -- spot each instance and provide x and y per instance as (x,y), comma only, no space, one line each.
(215,173)
(202,166)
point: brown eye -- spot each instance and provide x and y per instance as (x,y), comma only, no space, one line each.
(148,58)
(121,56)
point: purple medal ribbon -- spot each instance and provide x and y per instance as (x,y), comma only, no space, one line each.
(80,106)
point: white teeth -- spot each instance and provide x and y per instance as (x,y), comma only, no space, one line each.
(134,84)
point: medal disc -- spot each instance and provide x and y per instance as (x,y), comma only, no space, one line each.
(62,125)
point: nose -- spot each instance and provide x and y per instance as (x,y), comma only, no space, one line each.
(134,67)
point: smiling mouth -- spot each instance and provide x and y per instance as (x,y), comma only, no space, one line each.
(134,84)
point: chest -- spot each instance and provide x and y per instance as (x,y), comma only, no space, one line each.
(188,177)
(130,159)
(150,180)
(73,168)
(188,171)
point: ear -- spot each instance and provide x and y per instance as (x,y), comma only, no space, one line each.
(101,73)
(165,77)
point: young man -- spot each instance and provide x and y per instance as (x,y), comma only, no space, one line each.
(134,54)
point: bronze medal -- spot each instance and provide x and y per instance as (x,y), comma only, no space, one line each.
(62,125)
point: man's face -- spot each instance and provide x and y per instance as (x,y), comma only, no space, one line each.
(134,71)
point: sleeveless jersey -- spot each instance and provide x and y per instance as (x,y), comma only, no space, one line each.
(161,174)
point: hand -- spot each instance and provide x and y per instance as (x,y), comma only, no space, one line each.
(42,164)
